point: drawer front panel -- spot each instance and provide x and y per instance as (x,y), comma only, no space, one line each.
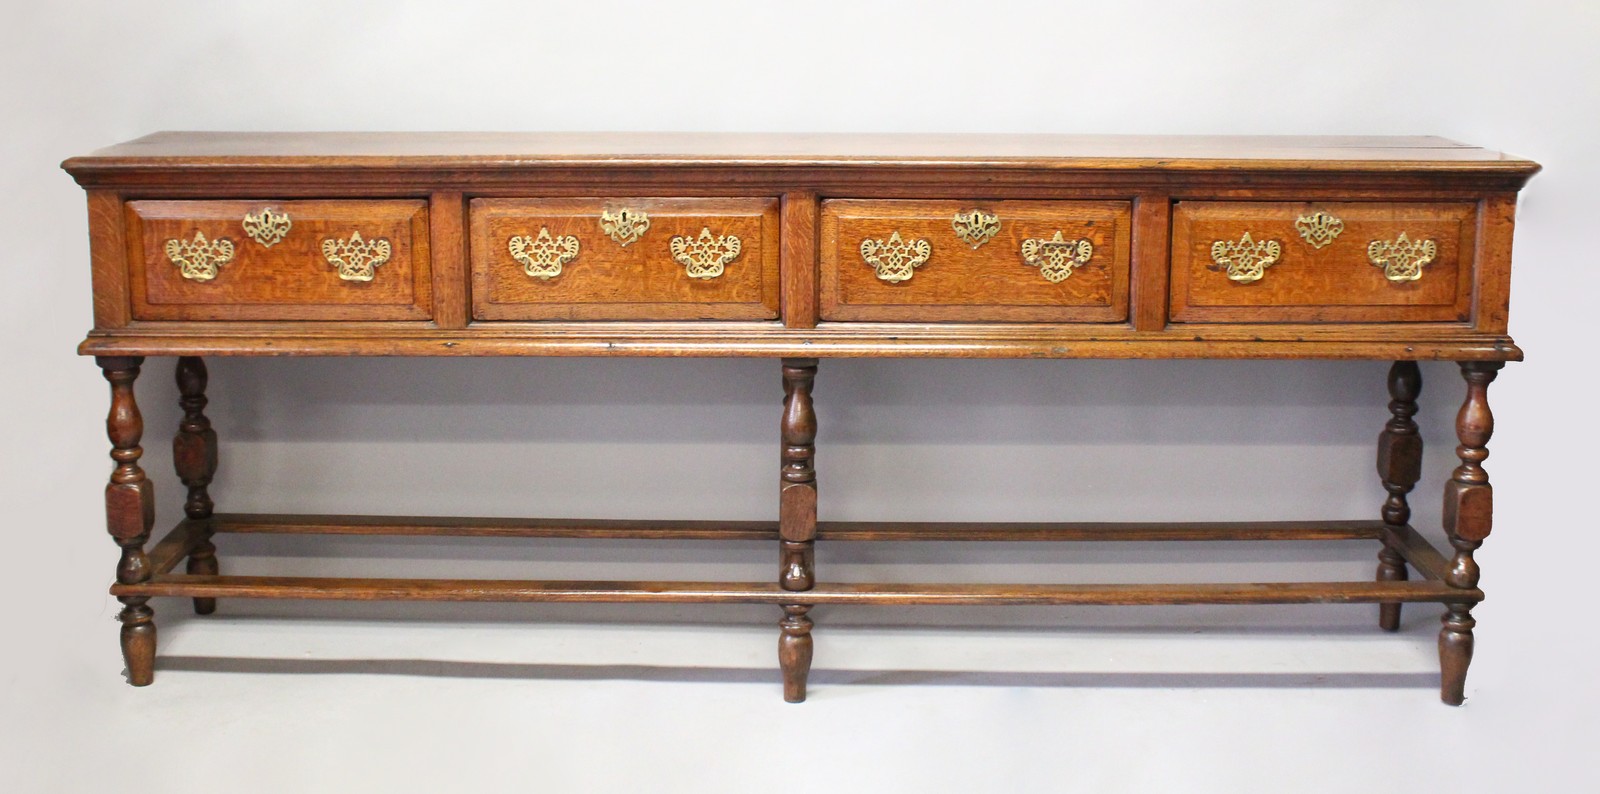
(625,259)
(1322,262)
(279,260)
(984,261)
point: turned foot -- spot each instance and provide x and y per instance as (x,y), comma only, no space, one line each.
(138,640)
(794,651)
(1455,653)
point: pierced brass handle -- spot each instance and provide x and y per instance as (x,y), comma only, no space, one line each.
(1245,260)
(199,259)
(355,258)
(895,259)
(1056,258)
(1402,258)
(976,227)
(625,225)
(1319,228)
(705,256)
(543,256)
(267,227)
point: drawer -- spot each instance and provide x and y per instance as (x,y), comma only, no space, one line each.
(625,259)
(975,261)
(279,260)
(1239,261)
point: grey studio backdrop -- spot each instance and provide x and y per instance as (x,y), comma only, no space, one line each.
(939,440)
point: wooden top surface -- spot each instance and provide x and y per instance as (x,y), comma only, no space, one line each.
(512,149)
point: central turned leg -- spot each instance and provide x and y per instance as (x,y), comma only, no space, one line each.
(194,455)
(797,522)
(1399,466)
(130,513)
(1468,508)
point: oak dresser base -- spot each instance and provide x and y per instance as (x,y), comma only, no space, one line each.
(799,248)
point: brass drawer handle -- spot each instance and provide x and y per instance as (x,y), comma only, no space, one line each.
(199,259)
(1056,258)
(1319,228)
(1245,260)
(1402,258)
(895,259)
(705,256)
(625,225)
(976,227)
(267,227)
(356,259)
(543,256)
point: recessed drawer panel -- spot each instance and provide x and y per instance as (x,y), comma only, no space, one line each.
(975,261)
(279,260)
(1237,261)
(625,259)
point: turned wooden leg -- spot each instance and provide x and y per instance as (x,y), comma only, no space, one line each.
(130,514)
(1468,508)
(797,522)
(794,651)
(1399,466)
(194,455)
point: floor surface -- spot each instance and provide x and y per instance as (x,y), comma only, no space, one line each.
(261,698)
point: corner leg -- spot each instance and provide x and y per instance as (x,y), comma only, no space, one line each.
(1399,466)
(1468,511)
(130,514)
(1455,653)
(797,522)
(194,455)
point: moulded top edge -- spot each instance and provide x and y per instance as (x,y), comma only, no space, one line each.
(343,150)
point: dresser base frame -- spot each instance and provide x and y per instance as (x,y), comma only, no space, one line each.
(1450,581)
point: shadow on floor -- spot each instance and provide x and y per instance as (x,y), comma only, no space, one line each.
(739,675)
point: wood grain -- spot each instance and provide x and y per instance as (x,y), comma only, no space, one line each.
(113,296)
(836,340)
(194,457)
(1399,468)
(639,281)
(1152,228)
(1336,283)
(798,259)
(176,545)
(966,284)
(844,531)
(249,150)
(1496,219)
(460,526)
(447,238)
(1417,551)
(130,514)
(326,588)
(290,280)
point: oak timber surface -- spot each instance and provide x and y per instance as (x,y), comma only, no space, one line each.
(378,149)
(985,303)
